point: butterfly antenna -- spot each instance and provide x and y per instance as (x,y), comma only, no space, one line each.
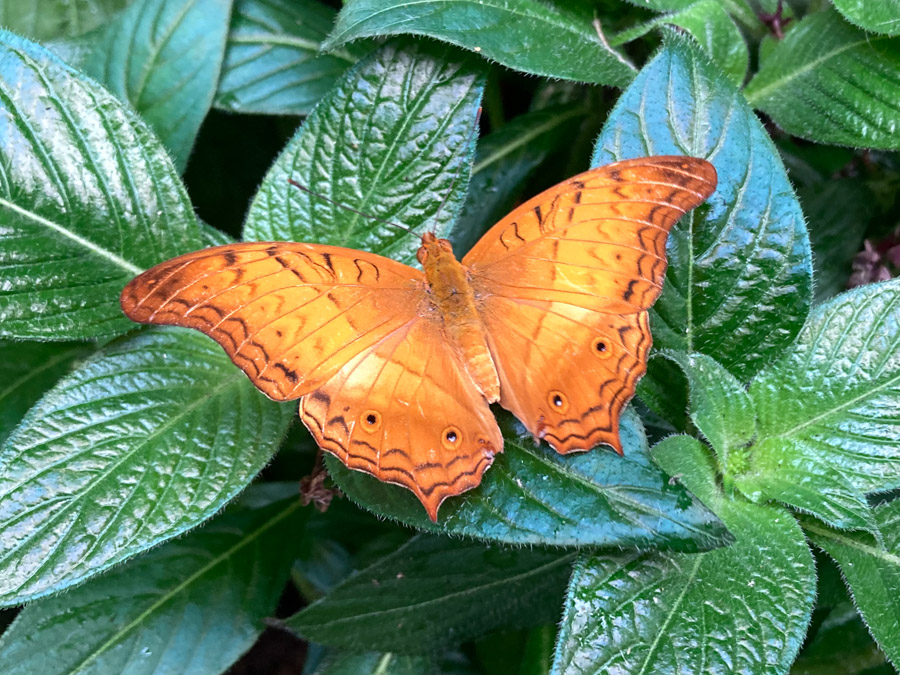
(461,164)
(348,208)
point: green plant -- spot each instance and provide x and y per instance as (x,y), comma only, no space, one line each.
(761,457)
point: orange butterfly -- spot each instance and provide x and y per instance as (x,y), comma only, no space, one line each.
(395,368)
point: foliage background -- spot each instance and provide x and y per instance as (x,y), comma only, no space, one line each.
(751,525)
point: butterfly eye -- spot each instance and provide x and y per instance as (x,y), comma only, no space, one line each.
(371,420)
(558,401)
(600,348)
(451,437)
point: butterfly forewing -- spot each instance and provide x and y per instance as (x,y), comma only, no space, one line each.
(564,283)
(289,315)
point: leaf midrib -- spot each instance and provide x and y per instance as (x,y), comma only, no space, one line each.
(174,591)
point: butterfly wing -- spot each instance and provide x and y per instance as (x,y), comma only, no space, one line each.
(289,315)
(407,412)
(354,336)
(563,285)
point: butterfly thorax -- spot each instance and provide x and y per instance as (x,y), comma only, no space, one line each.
(452,296)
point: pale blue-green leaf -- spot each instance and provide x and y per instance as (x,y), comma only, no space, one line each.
(392,140)
(829,410)
(739,609)
(164,58)
(708,22)
(739,282)
(147,439)
(88,199)
(533,495)
(872,572)
(191,606)
(50,19)
(535,37)
(272,61)
(831,82)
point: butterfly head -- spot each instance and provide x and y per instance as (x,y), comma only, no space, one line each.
(433,248)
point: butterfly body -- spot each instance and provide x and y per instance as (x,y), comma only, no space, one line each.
(395,367)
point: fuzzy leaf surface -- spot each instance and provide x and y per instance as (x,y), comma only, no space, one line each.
(164,57)
(436,591)
(743,608)
(829,411)
(272,61)
(533,495)
(739,281)
(88,200)
(878,17)
(193,606)
(831,82)
(51,19)
(541,38)
(872,572)
(27,370)
(149,438)
(392,140)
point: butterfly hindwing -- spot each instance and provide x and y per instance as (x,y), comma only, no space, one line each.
(574,269)
(406,412)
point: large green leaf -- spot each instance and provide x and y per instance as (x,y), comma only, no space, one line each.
(88,199)
(374,663)
(534,495)
(191,606)
(542,38)
(739,609)
(147,439)
(831,82)
(708,23)
(740,274)
(872,572)
(164,58)
(879,17)
(436,591)
(272,62)
(841,646)
(829,411)
(50,19)
(392,140)
(504,160)
(27,370)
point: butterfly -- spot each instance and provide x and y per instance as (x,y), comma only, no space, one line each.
(396,367)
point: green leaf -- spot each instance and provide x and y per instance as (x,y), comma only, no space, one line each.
(841,646)
(533,495)
(739,9)
(838,212)
(829,411)
(879,17)
(504,161)
(272,62)
(50,19)
(27,370)
(739,609)
(872,572)
(147,439)
(373,663)
(435,591)
(392,140)
(164,57)
(88,199)
(708,23)
(832,83)
(740,272)
(720,406)
(194,605)
(540,38)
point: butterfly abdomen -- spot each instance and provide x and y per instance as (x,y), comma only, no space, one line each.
(454,301)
